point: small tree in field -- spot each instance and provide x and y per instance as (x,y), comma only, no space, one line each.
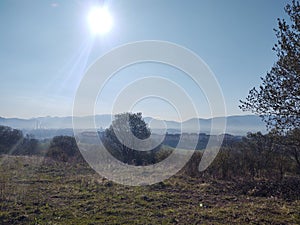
(277,100)
(128,125)
(64,148)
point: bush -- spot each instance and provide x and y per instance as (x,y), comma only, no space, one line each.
(64,148)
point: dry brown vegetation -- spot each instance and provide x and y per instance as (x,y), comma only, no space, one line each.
(34,190)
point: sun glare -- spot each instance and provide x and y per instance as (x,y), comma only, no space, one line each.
(100,20)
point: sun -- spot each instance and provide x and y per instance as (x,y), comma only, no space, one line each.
(100,20)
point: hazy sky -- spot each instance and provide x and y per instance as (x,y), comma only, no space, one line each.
(46,46)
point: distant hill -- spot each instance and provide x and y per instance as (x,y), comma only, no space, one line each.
(49,122)
(236,125)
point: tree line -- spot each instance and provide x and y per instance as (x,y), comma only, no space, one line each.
(257,155)
(62,148)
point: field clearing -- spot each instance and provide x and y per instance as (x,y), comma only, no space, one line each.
(34,190)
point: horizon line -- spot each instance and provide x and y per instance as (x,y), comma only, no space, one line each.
(144,116)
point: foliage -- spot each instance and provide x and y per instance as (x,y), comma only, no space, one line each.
(13,142)
(256,156)
(28,146)
(9,139)
(191,168)
(120,137)
(277,100)
(64,148)
(292,143)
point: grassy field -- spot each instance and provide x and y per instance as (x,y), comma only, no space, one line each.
(38,191)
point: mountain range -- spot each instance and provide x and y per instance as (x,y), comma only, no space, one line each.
(236,125)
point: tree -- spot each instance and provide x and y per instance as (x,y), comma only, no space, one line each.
(293,146)
(64,148)
(260,153)
(28,146)
(119,138)
(277,100)
(9,139)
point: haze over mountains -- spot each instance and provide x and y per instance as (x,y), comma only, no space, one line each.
(236,125)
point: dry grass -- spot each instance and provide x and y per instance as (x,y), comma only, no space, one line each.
(35,191)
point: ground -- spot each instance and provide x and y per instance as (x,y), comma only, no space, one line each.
(38,191)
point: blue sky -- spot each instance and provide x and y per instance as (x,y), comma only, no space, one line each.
(46,46)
